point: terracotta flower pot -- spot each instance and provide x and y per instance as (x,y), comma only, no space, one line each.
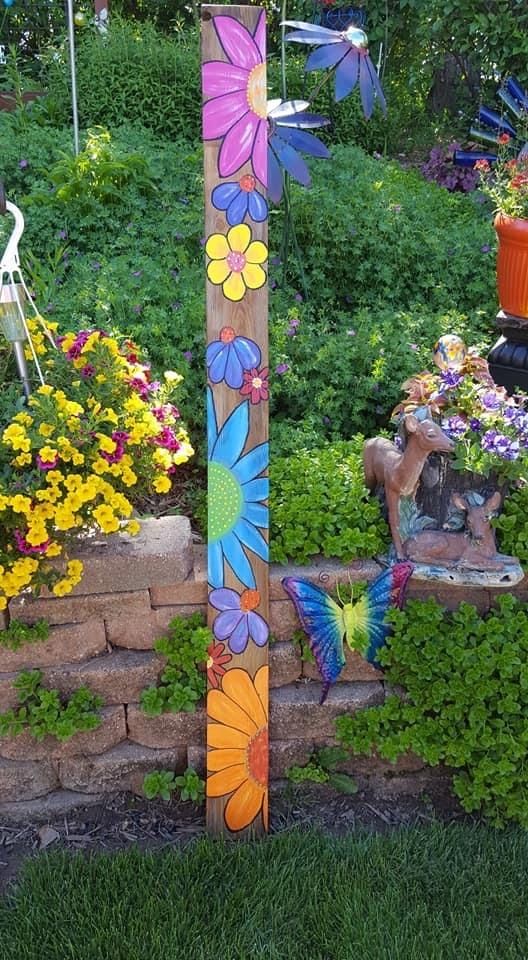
(512,264)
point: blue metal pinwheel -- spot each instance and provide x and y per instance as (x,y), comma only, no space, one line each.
(288,124)
(491,124)
(347,51)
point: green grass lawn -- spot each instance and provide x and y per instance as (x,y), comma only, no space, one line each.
(448,893)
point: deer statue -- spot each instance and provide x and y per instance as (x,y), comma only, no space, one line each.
(474,548)
(399,471)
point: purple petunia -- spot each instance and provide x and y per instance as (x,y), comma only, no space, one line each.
(228,357)
(503,446)
(455,427)
(491,400)
(475,424)
(450,379)
(237,620)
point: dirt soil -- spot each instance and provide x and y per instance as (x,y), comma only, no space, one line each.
(124,819)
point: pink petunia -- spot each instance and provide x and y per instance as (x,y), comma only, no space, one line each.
(236,109)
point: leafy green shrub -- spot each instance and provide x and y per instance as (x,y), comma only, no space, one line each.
(44,712)
(182,683)
(142,76)
(98,173)
(466,703)
(383,235)
(17,633)
(512,526)
(163,783)
(319,505)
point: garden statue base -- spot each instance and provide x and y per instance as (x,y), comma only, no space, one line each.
(508,359)
(506,575)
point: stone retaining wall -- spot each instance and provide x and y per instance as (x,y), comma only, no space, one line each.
(102,635)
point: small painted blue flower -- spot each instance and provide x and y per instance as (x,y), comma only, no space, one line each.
(239,199)
(235,494)
(228,357)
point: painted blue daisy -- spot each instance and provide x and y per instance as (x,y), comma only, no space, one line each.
(228,357)
(235,494)
(238,198)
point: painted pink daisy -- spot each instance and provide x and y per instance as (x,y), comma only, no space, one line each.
(256,384)
(235,89)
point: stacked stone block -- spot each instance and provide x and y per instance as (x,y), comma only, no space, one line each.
(102,636)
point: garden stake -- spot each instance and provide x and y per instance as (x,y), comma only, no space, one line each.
(71,45)
(235,165)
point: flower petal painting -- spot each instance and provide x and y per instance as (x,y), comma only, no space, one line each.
(236,111)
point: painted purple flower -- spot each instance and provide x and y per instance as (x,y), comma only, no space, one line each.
(228,357)
(236,97)
(455,427)
(240,198)
(288,122)
(237,621)
(346,50)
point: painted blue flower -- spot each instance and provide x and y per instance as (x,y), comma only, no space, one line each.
(347,50)
(228,357)
(238,198)
(235,494)
(288,122)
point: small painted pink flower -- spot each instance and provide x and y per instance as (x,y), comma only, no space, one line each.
(256,384)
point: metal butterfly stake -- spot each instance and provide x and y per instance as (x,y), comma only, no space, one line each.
(362,624)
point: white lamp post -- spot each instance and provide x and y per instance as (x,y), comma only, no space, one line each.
(15,299)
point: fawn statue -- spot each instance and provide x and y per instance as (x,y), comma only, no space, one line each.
(473,548)
(399,471)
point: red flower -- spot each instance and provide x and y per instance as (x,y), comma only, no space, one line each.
(520,180)
(482,165)
(256,384)
(215,663)
(504,138)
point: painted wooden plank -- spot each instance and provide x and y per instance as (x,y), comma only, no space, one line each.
(235,168)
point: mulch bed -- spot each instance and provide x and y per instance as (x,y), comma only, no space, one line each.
(123,820)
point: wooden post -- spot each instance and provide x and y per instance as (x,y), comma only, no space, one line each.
(235,165)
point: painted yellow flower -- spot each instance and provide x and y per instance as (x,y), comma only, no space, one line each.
(237,760)
(236,261)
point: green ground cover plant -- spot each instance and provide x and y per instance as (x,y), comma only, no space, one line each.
(17,633)
(320,505)
(163,783)
(44,711)
(441,893)
(182,681)
(465,705)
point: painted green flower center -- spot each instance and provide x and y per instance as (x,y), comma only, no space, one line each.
(225,501)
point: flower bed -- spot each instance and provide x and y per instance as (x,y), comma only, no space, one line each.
(100,433)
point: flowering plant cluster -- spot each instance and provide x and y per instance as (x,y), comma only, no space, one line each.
(506,181)
(440,169)
(70,460)
(490,428)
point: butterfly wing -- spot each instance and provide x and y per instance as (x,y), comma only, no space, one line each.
(323,622)
(366,629)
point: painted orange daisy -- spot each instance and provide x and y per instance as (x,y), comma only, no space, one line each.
(237,760)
